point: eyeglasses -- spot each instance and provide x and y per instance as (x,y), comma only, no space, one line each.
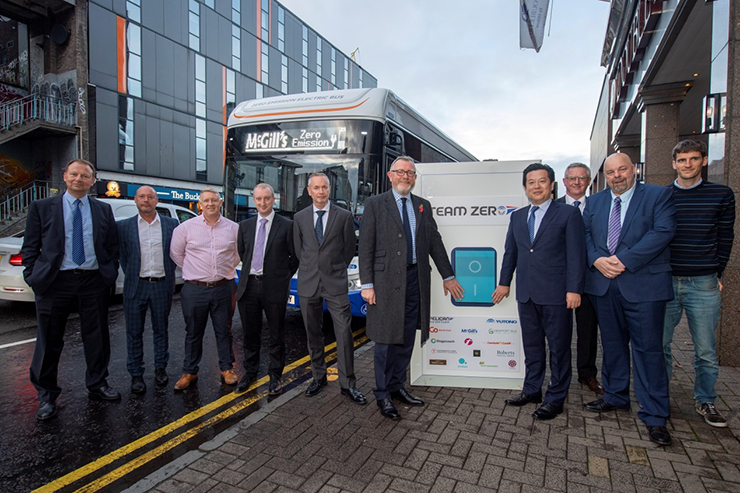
(399,173)
(577,178)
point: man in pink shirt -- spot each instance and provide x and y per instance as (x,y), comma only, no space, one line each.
(205,249)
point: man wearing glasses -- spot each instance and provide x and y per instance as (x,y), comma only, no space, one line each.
(397,236)
(577,179)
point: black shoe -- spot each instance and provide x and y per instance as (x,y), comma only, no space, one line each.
(161,377)
(406,397)
(137,385)
(659,435)
(275,388)
(387,409)
(522,399)
(355,395)
(244,383)
(600,406)
(47,410)
(315,386)
(547,411)
(592,384)
(105,393)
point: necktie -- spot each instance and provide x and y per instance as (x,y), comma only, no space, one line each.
(320,226)
(258,257)
(78,244)
(577,204)
(615,225)
(530,223)
(407,233)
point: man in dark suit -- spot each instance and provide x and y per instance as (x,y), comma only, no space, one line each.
(628,229)
(149,284)
(545,245)
(324,239)
(70,255)
(268,263)
(576,180)
(397,237)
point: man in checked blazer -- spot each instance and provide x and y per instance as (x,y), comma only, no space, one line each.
(268,263)
(324,239)
(149,284)
(397,236)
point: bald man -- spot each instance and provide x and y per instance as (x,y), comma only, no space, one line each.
(149,284)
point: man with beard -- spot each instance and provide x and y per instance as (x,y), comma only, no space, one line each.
(397,236)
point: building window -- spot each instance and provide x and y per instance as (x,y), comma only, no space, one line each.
(318,63)
(281,29)
(200,86)
(333,66)
(133,62)
(236,50)
(125,133)
(359,74)
(236,12)
(259,91)
(304,46)
(230,92)
(346,73)
(133,10)
(194,25)
(210,3)
(265,24)
(284,74)
(305,79)
(265,64)
(200,149)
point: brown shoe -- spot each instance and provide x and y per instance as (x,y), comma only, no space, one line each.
(592,384)
(229,377)
(185,380)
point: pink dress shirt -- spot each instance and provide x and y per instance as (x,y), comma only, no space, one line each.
(206,253)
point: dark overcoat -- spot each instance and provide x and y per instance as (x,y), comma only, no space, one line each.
(383,263)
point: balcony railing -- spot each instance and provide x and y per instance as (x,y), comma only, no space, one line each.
(34,107)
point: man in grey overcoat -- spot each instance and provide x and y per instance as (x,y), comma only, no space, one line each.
(398,234)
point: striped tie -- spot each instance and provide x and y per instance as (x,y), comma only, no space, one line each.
(530,223)
(78,243)
(615,225)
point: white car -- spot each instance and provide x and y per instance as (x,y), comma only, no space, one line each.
(14,288)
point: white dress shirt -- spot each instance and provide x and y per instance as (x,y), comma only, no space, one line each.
(150,246)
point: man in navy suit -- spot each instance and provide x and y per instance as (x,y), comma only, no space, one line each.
(149,284)
(545,245)
(268,263)
(628,229)
(70,255)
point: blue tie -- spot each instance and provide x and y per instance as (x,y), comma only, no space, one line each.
(319,228)
(78,244)
(407,233)
(530,223)
(615,226)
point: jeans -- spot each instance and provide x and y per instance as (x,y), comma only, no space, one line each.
(701,299)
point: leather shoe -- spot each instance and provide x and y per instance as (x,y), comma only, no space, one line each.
(547,411)
(355,395)
(592,384)
(245,382)
(274,388)
(105,393)
(522,399)
(406,397)
(47,410)
(387,409)
(185,380)
(161,377)
(659,435)
(229,377)
(600,406)
(137,385)
(315,386)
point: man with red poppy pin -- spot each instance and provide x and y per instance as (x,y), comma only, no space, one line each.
(398,237)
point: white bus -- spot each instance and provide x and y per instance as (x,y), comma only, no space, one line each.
(350,135)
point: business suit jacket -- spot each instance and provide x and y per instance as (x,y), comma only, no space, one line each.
(280,261)
(383,263)
(326,264)
(128,237)
(43,242)
(648,229)
(552,265)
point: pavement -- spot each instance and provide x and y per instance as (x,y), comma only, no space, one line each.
(465,440)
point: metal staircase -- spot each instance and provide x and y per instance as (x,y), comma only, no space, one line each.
(14,206)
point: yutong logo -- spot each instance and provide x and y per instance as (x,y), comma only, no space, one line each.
(474,210)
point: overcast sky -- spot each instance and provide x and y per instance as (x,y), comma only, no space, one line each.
(459,64)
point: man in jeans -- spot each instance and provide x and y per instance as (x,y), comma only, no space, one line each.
(705,216)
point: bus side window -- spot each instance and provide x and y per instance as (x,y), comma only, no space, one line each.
(163,212)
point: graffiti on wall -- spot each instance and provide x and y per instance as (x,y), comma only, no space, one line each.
(12,173)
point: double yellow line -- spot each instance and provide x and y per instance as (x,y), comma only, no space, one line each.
(132,465)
